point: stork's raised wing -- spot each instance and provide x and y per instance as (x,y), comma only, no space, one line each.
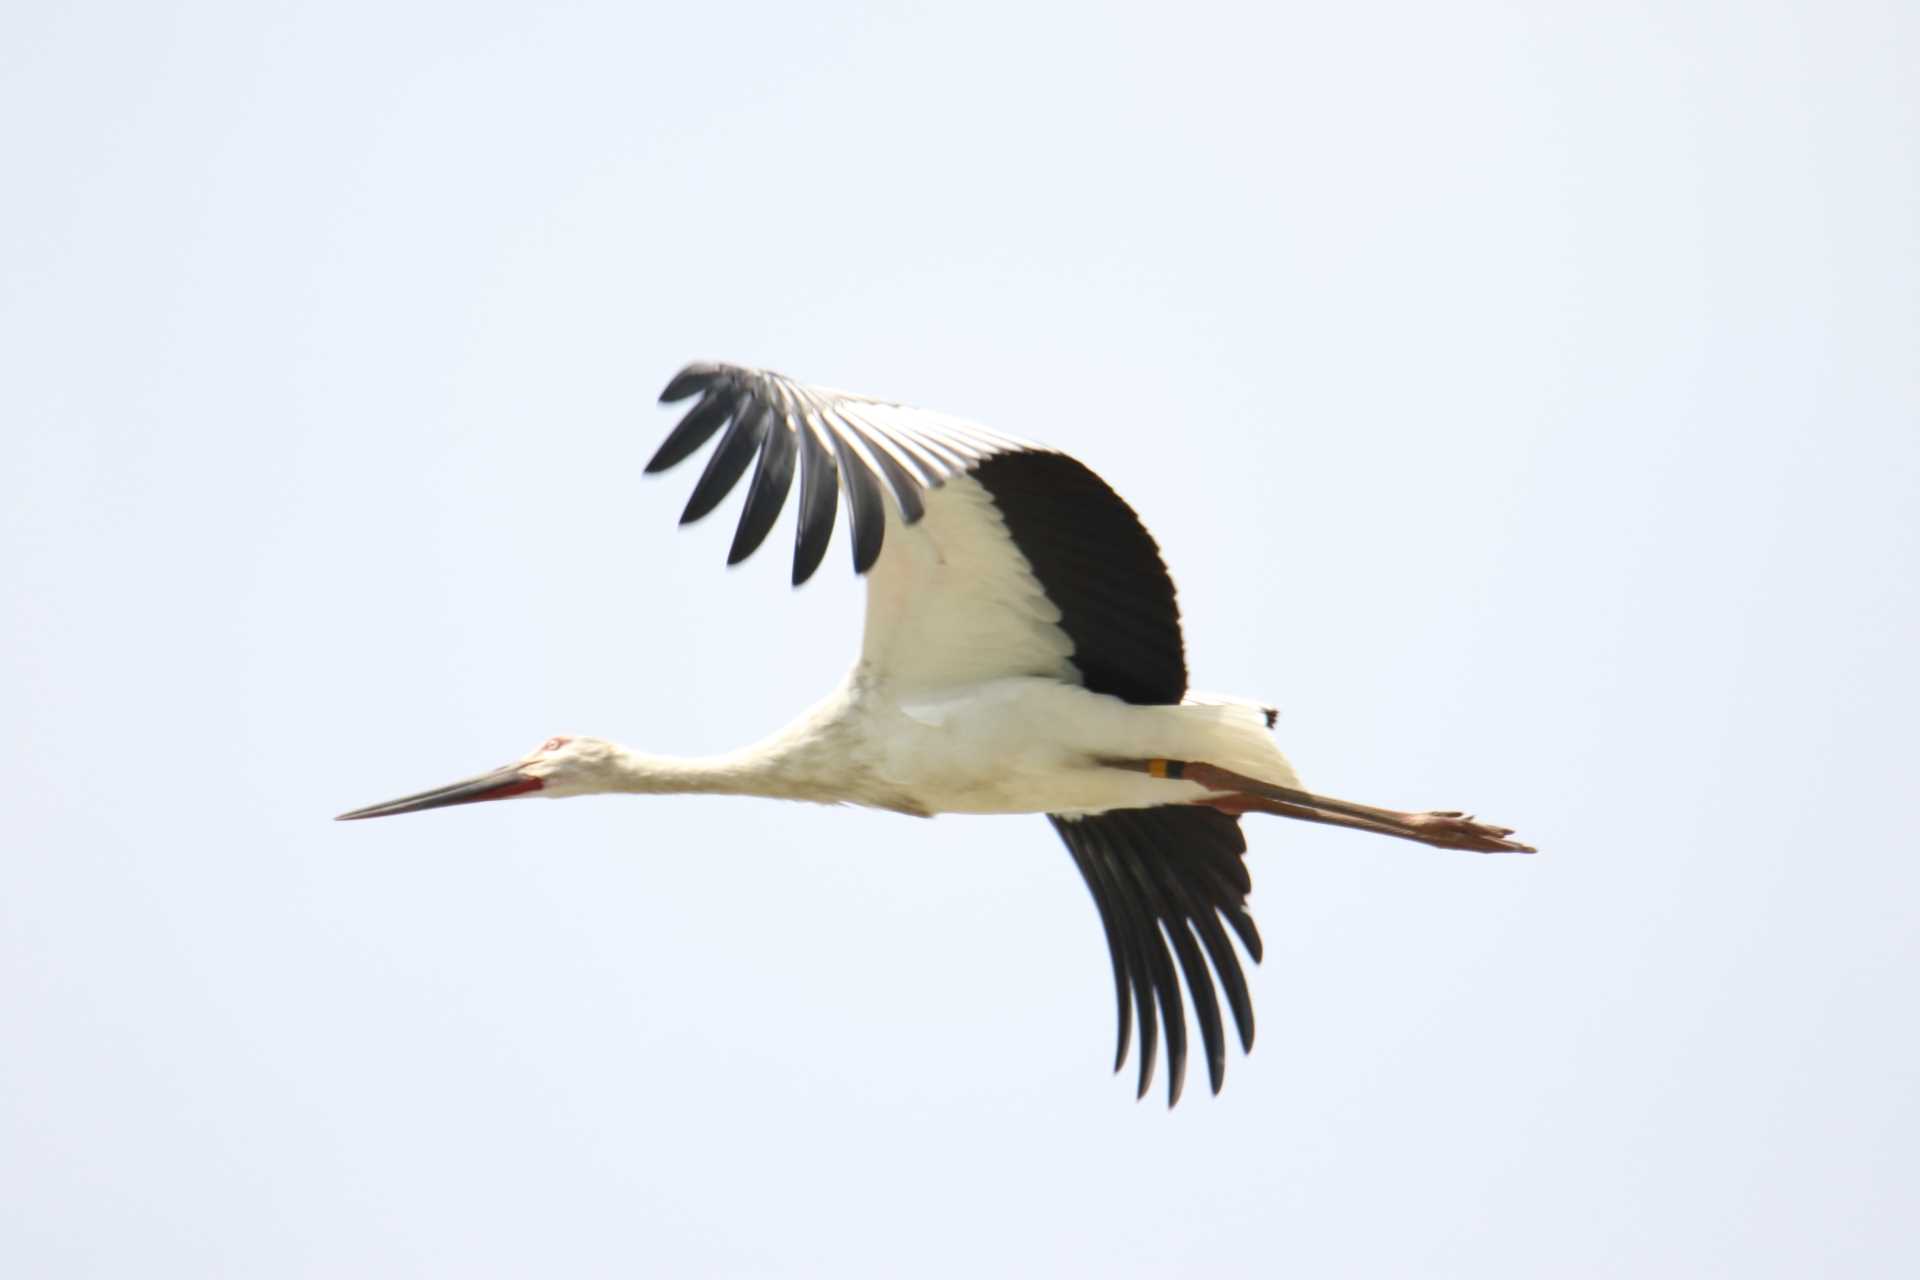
(1009,559)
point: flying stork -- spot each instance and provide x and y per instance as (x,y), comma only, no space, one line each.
(1021,654)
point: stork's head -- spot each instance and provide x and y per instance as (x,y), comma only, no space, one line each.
(563,765)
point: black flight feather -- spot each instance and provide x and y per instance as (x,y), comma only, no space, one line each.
(694,430)
(817,504)
(1100,567)
(866,509)
(729,461)
(766,494)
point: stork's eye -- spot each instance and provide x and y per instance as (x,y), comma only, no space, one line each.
(554,744)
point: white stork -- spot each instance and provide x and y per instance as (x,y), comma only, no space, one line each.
(1022,654)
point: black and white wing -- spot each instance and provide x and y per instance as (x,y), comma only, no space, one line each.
(1002,558)
(1009,558)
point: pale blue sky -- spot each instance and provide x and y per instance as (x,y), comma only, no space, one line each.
(1526,399)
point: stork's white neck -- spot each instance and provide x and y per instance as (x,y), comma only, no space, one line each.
(819,757)
(751,772)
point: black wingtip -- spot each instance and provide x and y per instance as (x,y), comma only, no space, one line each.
(695,429)
(694,378)
(866,553)
(813,528)
(1166,883)
(766,493)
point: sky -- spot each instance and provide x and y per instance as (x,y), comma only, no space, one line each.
(1525,399)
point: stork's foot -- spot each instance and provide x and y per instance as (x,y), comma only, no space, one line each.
(1451,829)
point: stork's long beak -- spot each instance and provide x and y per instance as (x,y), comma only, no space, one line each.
(497,785)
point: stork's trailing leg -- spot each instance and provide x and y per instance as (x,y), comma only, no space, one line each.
(1242,794)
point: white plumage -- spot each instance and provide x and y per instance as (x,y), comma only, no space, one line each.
(1021,654)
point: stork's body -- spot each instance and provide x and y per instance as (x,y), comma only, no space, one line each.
(1022,744)
(1022,654)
